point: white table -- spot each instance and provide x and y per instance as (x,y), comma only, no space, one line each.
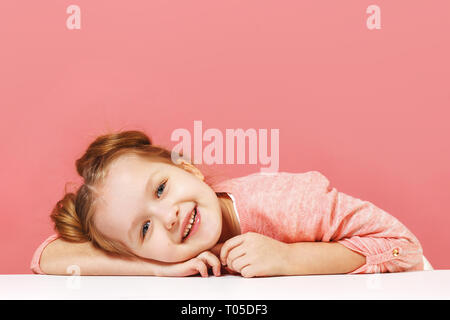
(426,285)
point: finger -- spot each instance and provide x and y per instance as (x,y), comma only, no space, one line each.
(201,267)
(228,245)
(210,259)
(234,254)
(240,262)
(230,271)
(248,271)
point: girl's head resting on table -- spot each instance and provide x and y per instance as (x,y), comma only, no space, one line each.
(135,200)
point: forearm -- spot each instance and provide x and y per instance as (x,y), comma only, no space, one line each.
(59,255)
(321,258)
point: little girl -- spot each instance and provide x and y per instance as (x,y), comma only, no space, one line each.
(140,213)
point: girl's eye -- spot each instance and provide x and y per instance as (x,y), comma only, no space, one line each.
(145,229)
(160,189)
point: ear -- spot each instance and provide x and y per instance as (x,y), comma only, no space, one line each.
(186,165)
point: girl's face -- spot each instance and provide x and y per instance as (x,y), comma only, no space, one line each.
(145,205)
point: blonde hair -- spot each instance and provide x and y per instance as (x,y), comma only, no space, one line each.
(73,214)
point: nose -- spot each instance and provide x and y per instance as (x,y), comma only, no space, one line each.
(170,218)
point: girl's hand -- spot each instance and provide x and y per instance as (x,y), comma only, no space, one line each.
(253,254)
(190,267)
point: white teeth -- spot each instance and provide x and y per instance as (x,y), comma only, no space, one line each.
(191,222)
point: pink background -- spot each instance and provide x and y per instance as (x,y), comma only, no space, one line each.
(367,108)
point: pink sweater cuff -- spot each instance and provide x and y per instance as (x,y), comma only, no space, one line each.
(37,254)
(385,255)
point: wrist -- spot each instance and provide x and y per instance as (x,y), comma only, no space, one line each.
(143,267)
(321,258)
(154,267)
(293,257)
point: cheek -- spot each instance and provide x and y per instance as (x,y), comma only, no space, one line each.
(162,251)
(171,252)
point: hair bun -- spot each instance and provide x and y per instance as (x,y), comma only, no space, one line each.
(107,144)
(67,223)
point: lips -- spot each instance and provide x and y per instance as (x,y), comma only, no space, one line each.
(186,222)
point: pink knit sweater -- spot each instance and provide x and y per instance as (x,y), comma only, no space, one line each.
(297,207)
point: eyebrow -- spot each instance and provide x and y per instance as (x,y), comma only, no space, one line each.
(131,233)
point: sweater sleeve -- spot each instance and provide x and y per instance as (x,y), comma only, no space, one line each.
(35,261)
(362,227)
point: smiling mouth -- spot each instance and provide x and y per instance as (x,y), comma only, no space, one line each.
(190,224)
